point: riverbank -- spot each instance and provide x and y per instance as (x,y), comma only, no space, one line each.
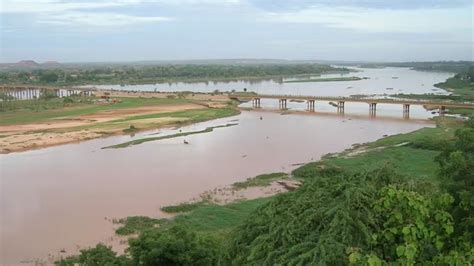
(411,155)
(45,123)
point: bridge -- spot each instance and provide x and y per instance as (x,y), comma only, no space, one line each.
(26,92)
(340,102)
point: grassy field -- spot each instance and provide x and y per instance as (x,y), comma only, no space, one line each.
(31,111)
(459,86)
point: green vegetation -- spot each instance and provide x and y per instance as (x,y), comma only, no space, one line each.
(183,207)
(123,74)
(219,219)
(407,199)
(260,180)
(136,224)
(143,140)
(349,211)
(101,255)
(35,111)
(324,79)
(461,84)
(130,129)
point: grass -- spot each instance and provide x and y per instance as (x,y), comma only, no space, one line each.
(458,86)
(411,154)
(324,79)
(413,162)
(260,180)
(183,207)
(213,217)
(53,109)
(143,140)
(137,224)
(195,115)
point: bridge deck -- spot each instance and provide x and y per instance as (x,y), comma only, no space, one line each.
(353,99)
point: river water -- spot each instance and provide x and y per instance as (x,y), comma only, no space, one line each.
(62,198)
(378,81)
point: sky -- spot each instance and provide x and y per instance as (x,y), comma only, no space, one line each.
(135,30)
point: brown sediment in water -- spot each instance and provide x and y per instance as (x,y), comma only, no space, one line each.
(69,189)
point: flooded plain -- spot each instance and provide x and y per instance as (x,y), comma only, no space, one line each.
(57,200)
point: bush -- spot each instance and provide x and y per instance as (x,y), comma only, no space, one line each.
(68,100)
(176,245)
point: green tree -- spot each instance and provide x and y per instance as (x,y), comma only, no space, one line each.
(173,246)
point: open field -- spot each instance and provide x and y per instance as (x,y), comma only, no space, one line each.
(42,123)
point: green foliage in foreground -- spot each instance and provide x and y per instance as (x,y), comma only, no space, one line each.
(260,180)
(176,245)
(101,255)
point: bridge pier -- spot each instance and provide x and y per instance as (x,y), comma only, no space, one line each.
(340,107)
(282,104)
(256,102)
(406,110)
(372,109)
(442,110)
(310,105)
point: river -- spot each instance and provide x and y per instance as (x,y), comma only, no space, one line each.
(63,198)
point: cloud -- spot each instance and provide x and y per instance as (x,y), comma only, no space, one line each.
(379,20)
(278,6)
(50,6)
(94,13)
(61,12)
(98,19)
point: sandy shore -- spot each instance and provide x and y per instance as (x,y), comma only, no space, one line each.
(64,130)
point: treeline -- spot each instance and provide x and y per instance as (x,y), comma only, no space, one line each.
(155,74)
(337,217)
(443,66)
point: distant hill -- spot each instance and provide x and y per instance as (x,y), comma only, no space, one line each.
(28,64)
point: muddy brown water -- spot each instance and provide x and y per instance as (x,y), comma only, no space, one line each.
(62,198)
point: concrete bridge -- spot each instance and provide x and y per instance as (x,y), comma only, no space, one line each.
(27,92)
(340,102)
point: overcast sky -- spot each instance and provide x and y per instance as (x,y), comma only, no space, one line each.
(127,30)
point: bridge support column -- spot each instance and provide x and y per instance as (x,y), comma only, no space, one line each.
(256,102)
(310,105)
(372,109)
(340,107)
(282,104)
(442,110)
(406,110)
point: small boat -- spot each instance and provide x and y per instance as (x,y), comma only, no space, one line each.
(186,142)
